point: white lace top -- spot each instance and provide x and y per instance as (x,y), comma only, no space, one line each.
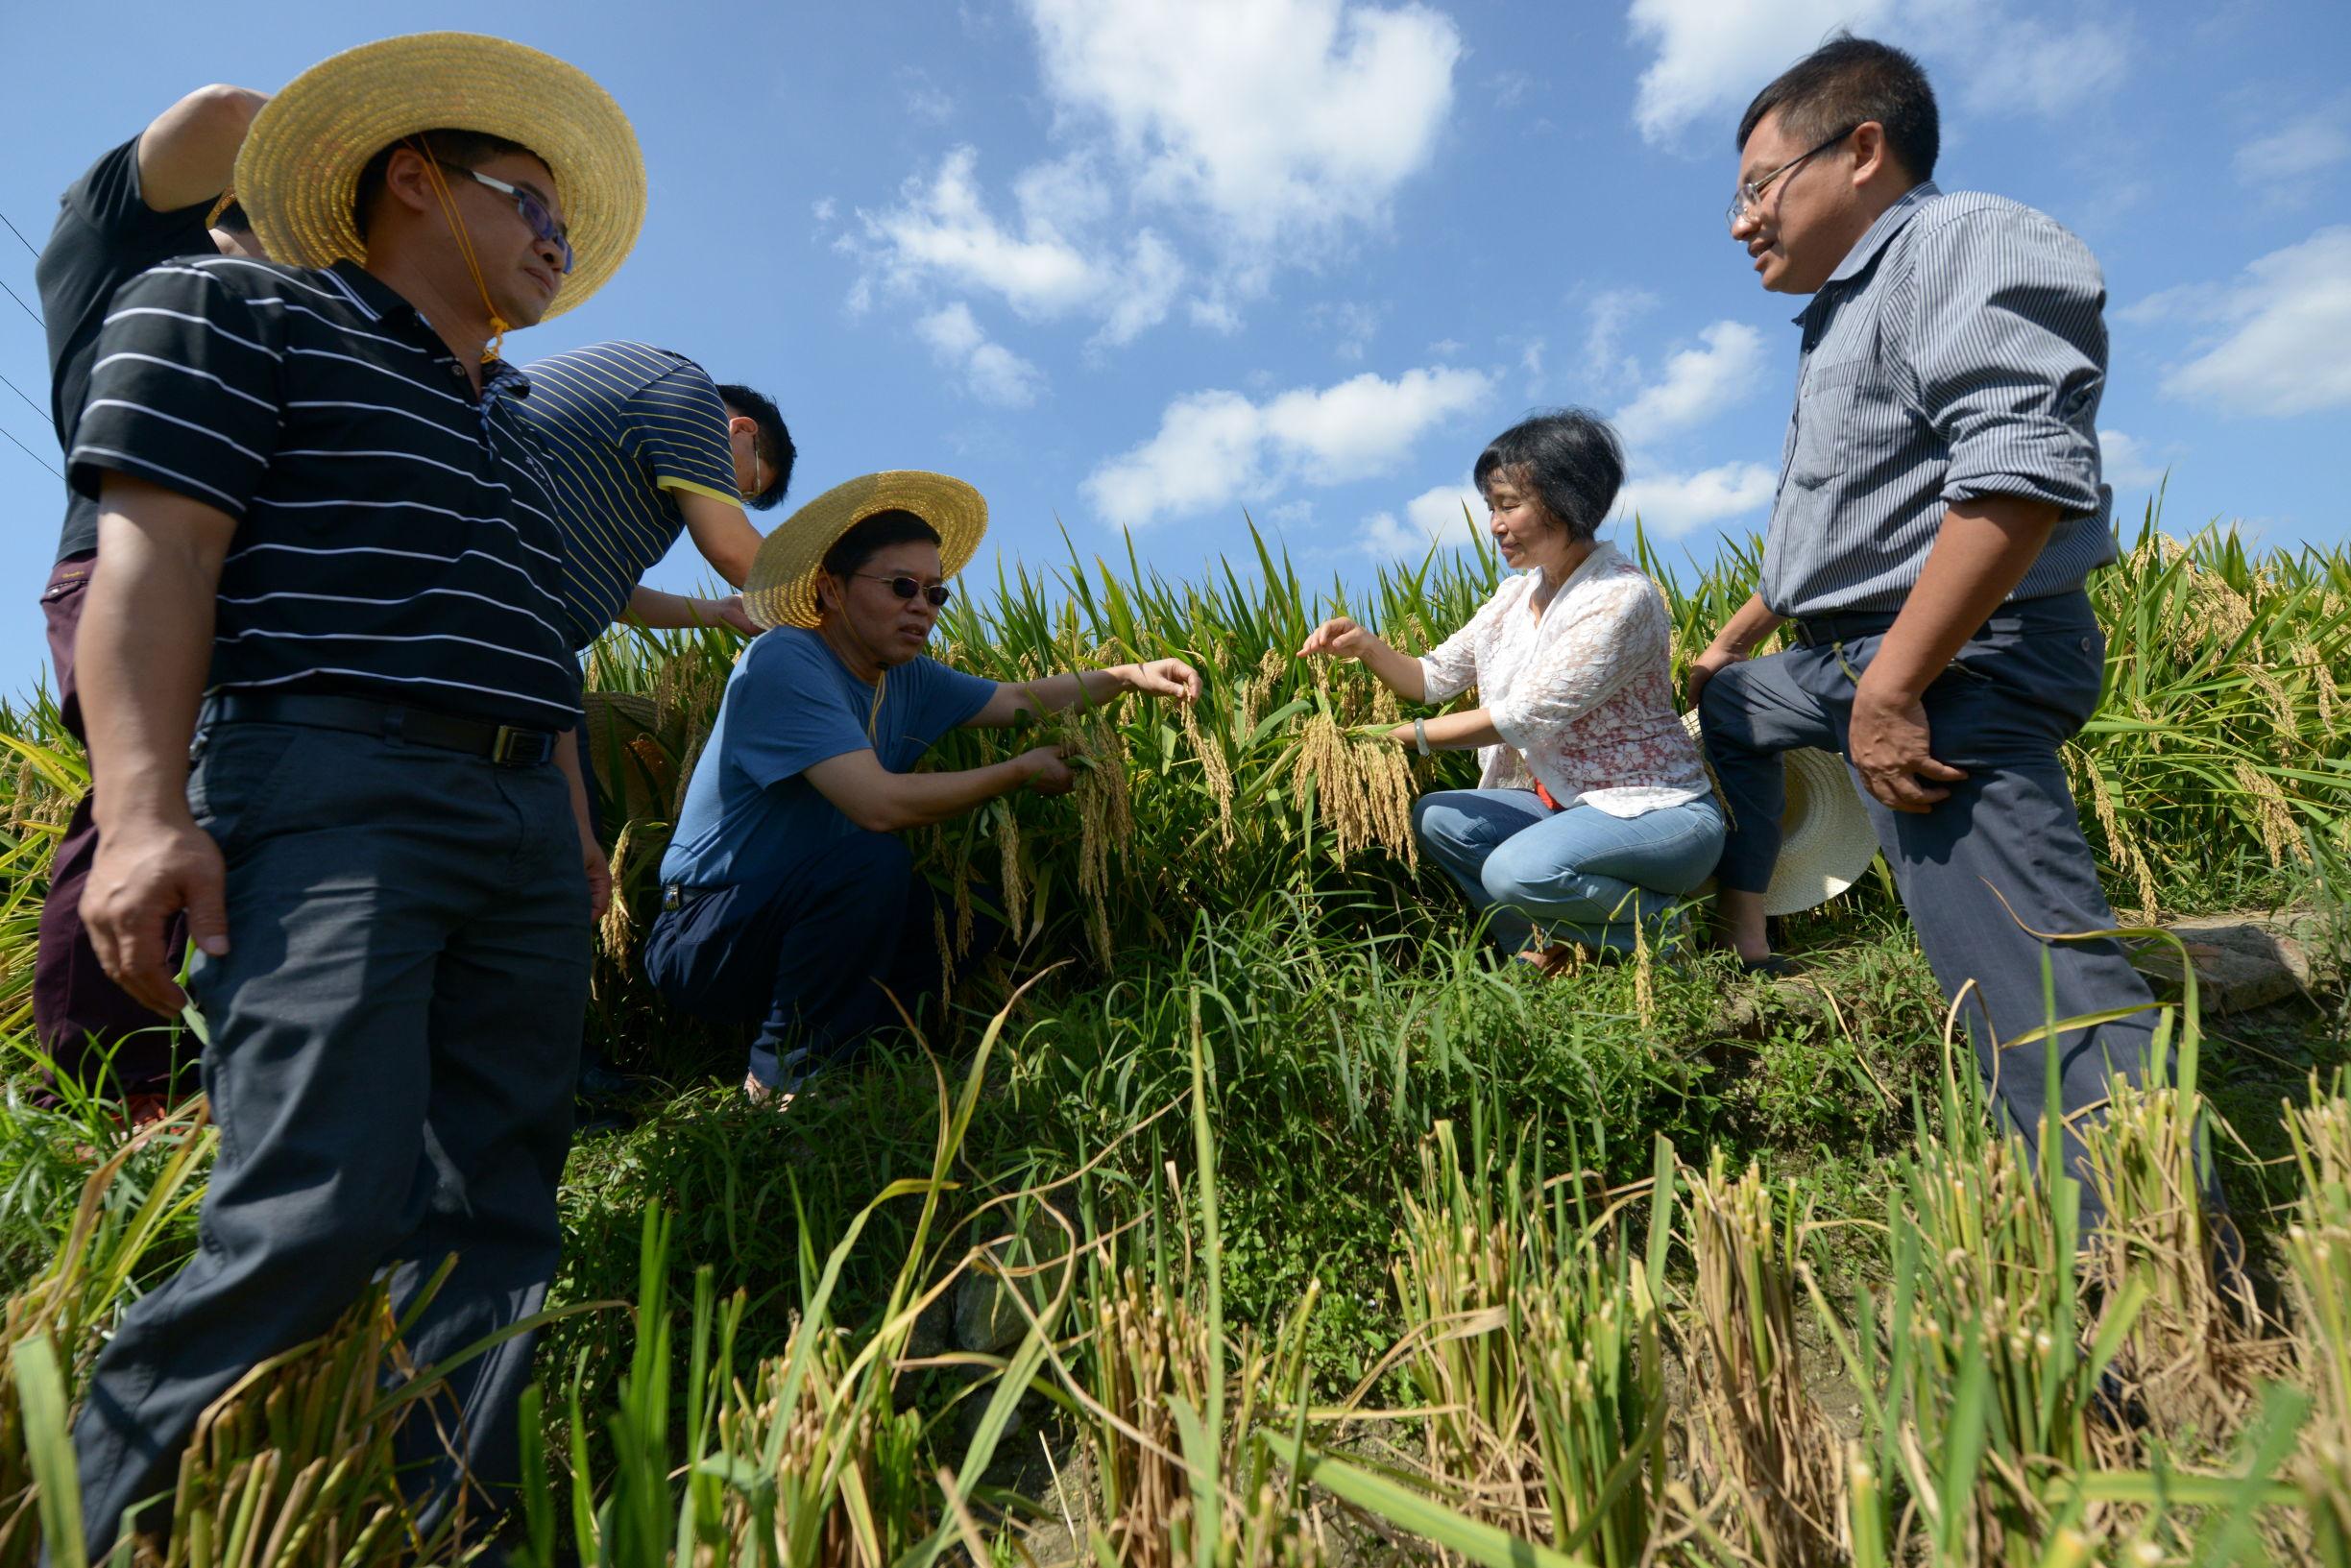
(1583,696)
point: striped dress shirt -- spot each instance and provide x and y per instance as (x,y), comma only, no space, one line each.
(625,427)
(395,534)
(1959,350)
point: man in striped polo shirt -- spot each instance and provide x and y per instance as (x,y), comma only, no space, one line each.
(1939,509)
(321,517)
(641,446)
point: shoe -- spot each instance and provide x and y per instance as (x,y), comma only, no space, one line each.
(1772,966)
(599,1082)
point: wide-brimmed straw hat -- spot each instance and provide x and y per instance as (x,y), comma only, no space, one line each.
(1826,839)
(298,172)
(781,588)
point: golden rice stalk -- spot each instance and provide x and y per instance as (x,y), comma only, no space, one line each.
(1015,886)
(2313,664)
(2125,847)
(1644,975)
(616,930)
(687,759)
(1385,782)
(1325,767)
(1215,771)
(2273,813)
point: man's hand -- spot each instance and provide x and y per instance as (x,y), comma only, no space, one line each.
(1707,665)
(145,873)
(1890,745)
(1338,637)
(730,612)
(1165,678)
(1047,773)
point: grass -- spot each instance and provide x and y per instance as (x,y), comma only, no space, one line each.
(1245,1211)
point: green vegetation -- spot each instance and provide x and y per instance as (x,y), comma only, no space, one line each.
(1243,1210)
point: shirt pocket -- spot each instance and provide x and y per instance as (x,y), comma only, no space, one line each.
(1829,408)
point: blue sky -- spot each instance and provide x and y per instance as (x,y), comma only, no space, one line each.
(1144,264)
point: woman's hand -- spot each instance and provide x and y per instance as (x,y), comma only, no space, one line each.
(1340,638)
(1165,678)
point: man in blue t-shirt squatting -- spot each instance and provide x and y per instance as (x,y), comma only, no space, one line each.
(788,900)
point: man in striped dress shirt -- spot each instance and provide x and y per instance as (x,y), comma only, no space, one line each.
(321,517)
(643,446)
(1939,509)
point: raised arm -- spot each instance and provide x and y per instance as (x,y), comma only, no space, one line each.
(1158,678)
(880,801)
(722,532)
(670,612)
(144,646)
(189,150)
(1341,637)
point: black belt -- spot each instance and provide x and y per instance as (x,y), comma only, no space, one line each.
(503,744)
(1827,630)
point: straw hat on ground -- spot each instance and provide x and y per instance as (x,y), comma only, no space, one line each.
(298,172)
(781,588)
(1827,841)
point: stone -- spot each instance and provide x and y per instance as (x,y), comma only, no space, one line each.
(2242,961)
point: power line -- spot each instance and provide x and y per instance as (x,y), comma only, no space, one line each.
(30,453)
(26,308)
(20,392)
(19,233)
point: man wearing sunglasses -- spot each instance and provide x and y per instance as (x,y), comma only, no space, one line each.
(1940,507)
(790,898)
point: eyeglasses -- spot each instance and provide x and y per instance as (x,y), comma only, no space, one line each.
(905,588)
(1750,191)
(534,212)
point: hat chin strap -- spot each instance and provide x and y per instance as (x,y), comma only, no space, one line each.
(465,247)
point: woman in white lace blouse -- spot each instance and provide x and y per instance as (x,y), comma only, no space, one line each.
(1593,814)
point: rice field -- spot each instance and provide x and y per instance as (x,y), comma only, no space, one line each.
(1242,1211)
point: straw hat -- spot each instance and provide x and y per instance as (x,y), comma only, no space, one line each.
(781,588)
(1826,839)
(299,170)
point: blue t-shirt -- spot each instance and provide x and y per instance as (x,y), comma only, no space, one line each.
(750,812)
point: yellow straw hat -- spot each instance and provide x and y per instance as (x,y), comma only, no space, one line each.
(1826,839)
(298,172)
(781,588)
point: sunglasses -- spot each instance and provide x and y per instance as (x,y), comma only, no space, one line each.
(534,212)
(905,588)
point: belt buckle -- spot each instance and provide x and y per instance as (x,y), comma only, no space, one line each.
(673,896)
(506,747)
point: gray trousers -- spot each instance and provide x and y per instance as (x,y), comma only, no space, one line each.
(395,1032)
(2018,691)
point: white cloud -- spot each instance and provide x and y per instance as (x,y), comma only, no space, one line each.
(1696,384)
(1611,311)
(923,97)
(1215,448)
(1674,503)
(1255,132)
(2127,462)
(1352,323)
(823,209)
(1711,59)
(2283,339)
(991,372)
(2297,150)
(1278,118)
(1432,519)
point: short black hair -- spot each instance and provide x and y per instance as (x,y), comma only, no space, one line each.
(1848,82)
(450,149)
(870,536)
(232,218)
(774,441)
(1568,457)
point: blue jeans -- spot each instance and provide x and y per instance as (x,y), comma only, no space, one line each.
(1580,874)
